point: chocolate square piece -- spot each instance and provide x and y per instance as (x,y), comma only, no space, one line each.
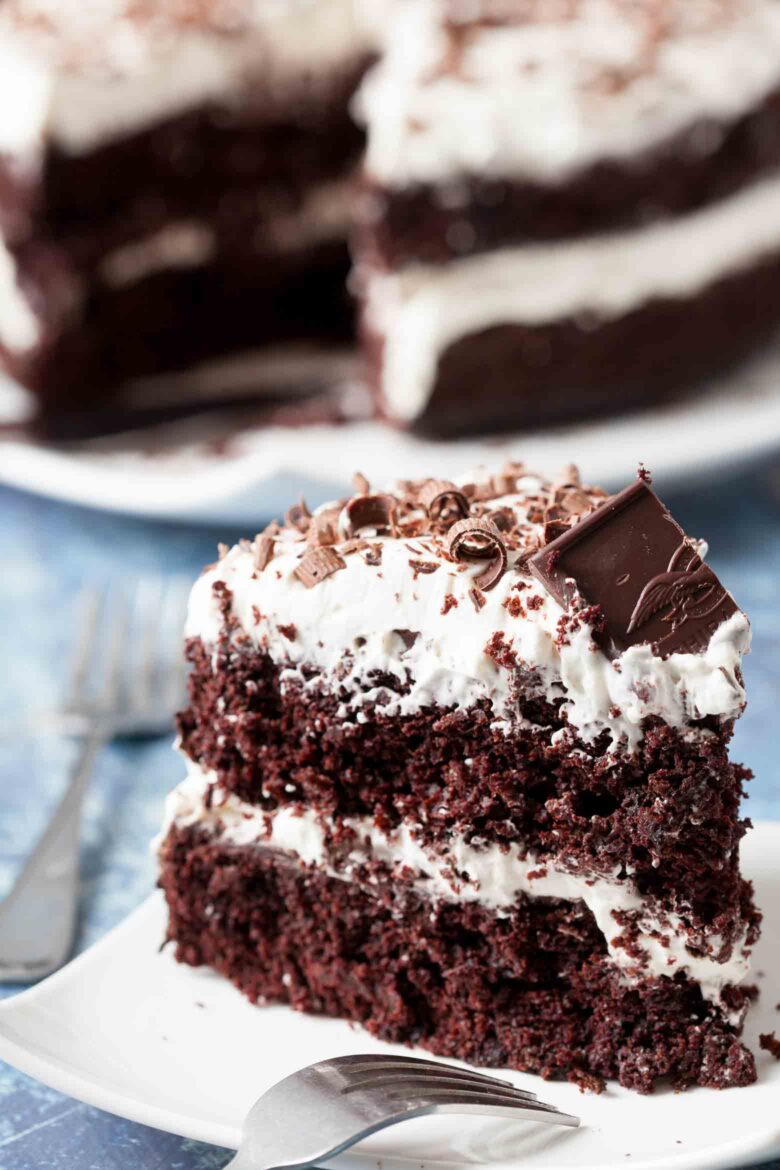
(633,561)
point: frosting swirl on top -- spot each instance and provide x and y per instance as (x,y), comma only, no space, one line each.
(397,616)
(542,88)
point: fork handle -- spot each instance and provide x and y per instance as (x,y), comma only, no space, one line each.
(38,917)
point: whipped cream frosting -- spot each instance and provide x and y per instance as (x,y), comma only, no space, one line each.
(561,87)
(85,73)
(356,622)
(422,309)
(465,872)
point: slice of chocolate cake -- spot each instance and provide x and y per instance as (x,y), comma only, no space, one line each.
(574,206)
(458,771)
(173,189)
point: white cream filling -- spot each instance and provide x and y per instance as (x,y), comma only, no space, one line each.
(487,874)
(185,244)
(347,627)
(282,370)
(563,87)
(323,215)
(423,309)
(19,328)
(104,75)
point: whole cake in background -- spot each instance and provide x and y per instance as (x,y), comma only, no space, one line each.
(571,204)
(457,770)
(172,192)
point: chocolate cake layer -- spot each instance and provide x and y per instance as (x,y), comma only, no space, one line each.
(667,814)
(428,223)
(530,991)
(178,317)
(187,173)
(556,203)
(532,374)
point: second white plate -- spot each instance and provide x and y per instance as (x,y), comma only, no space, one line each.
(178,473)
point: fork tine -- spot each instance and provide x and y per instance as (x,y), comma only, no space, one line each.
(457,1102)
(89,603)
(358,1064)
(116,618)
(434,1078)
(455,1090)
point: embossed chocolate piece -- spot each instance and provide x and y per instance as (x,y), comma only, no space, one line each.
(633,561)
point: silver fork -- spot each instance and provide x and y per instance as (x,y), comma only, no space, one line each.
(127,679)
(323,1109)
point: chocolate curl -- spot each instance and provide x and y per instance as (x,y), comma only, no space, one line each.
(298,517)
(478,540)
(375,512)
(317,564)
(264,550)
(361,484)
(443,502)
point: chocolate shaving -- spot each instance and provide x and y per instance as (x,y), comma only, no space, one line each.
(425,567)
(504,484)
(443,501)
(575,501)
(375,512)
(504,519)
(556,521)
(298,517)
(475,540)
(323,529)
(476,492)
(264,550)
(569,477)
(317,564)
(361,484)
(477,598)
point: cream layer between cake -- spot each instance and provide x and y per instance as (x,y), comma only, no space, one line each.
(495,876)
(420,310)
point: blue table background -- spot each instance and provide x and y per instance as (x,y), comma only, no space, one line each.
(46,551)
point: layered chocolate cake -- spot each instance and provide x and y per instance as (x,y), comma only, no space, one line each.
(173,190)
(457,770)
(573,205)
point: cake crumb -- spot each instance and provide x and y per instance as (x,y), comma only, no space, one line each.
(769,1042)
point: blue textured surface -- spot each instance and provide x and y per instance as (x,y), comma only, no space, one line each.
(46,551)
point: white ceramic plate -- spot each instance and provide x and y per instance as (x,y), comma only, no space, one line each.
(261,470)
(125,1028)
